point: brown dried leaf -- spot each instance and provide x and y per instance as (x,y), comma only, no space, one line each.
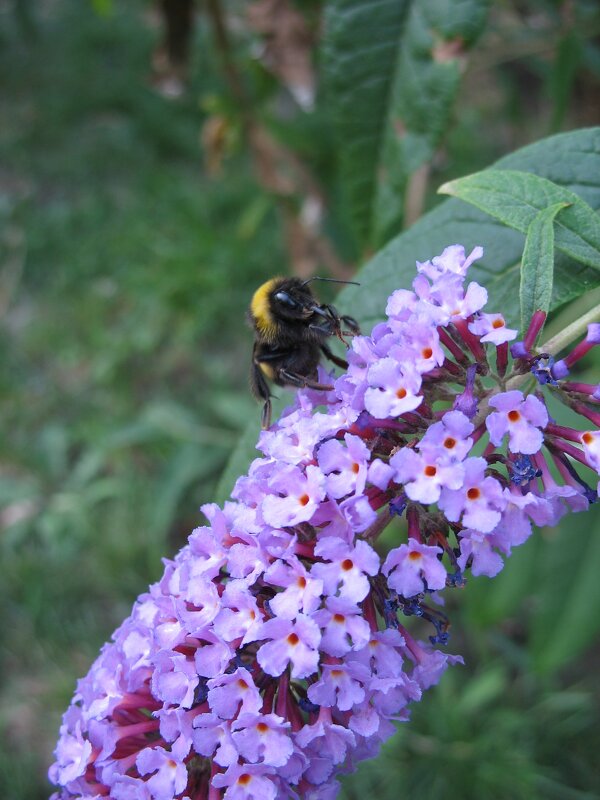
(288,45)
(214,138)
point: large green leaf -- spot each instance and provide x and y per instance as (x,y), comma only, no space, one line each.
(537,264)
(392,70)
(570,159)
(516,197)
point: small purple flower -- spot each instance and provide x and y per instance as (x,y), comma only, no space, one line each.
(247,782)
(414,567)
(327,741)
(477,547)
(423,478)
(450,299)
(393,389)
(382,653)
(347,567)
(72,753)
(346,467)
(466,402)
(492,328)
(302,592)
(591,447)
(340,685)
(401,305)
(239,617)
(431,664)
(521,418)
(263,737)
(290,642)
(174,678)
(479,502)
(169,776)
(211,736)
(343,627)
(357,511)
(233,693)
(452,261)
(296,496)
(213,656)
(448,440)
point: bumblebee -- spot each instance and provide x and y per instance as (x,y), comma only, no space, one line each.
(290,332)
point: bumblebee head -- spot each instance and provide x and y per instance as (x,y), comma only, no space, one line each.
(281,301)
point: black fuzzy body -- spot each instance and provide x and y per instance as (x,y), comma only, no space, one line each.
(291,330)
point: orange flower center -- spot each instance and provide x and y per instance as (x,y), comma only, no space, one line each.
(514,415)
(347,564)
(304,500)
(430,471)
(449,443)
(473,493)
(293,639)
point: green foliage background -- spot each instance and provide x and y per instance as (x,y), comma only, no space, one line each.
(125,274)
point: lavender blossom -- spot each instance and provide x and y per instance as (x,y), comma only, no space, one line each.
(273,654)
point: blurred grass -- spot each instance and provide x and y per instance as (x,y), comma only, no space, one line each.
(125,276)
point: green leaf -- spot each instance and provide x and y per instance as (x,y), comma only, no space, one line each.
(537,264)
(563,74)
(566,619)
(103,7)
(571,160)
(392,68)
(515,197)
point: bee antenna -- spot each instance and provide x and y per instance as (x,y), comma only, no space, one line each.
(329,280)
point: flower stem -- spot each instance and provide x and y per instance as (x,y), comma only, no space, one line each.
(572,332)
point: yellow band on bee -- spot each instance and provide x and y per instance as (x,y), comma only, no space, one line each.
(259,307)
(267,370)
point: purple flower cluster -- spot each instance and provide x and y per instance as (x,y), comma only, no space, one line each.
(271,655)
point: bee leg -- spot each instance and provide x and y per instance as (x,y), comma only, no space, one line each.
(321,329)
(332,357)
(301,382)
(265,419)
(352,324)
(260,389)
(330,311)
